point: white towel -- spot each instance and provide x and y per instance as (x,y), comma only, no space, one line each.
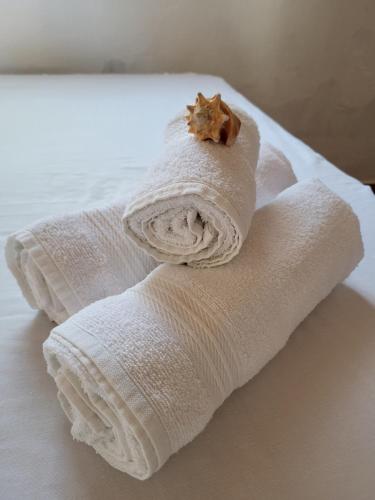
(140,374)
(65,263)
(274,173)
(197,203)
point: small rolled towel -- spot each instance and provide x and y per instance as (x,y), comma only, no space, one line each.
(197,203)
(140,374)
(65,263)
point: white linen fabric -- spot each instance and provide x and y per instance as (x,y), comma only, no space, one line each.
(197,202)
(64,263)
(140,374)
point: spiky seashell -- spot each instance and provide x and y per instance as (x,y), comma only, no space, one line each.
(213,119)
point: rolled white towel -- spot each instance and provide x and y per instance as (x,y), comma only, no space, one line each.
(140,374)
(65,263)
(274,173)
(197,202)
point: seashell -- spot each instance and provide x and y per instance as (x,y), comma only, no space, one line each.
(213,119)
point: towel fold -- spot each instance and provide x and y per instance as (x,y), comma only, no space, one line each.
(140,374)
(65,263)
(197,203)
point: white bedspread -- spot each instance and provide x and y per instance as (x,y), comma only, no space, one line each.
(303,428)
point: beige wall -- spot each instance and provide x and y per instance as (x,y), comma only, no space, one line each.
(309,63)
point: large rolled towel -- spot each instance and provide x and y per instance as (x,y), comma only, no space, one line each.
(65,263)
(197,202)
(274,173)
(140,374)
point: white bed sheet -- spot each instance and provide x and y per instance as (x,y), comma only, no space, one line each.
(304,428)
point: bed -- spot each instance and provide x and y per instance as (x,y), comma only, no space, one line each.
(303,428)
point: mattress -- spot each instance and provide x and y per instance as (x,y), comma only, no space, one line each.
(304,427)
